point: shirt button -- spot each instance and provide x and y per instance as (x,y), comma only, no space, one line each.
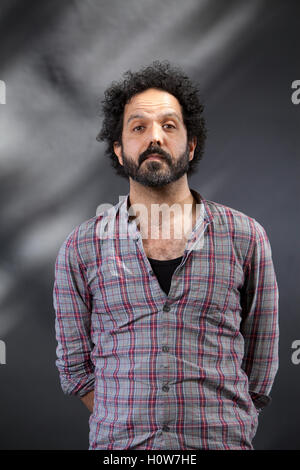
(166,308)
(166,428)
(165,348)
(165,388)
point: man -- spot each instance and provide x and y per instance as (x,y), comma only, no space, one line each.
(169,336)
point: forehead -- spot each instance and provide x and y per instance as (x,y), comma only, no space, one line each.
(152,101)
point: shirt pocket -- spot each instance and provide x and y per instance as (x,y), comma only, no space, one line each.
(215,301)
(118,300)
(216,295)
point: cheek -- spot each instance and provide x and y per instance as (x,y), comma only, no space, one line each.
(130,142)
(134,147)
(177,142)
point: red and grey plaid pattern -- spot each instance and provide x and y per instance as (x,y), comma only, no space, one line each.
(187,370)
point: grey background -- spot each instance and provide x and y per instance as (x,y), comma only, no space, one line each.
(56,59)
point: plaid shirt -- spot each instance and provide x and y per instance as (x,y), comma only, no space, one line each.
(187,370)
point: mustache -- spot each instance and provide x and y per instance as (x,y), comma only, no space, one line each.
(152,150)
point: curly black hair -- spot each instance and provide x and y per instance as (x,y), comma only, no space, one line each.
(162,76)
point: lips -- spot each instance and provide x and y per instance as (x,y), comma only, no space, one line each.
(154,156)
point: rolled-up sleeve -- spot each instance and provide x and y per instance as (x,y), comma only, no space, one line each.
(72,304)
(260,326)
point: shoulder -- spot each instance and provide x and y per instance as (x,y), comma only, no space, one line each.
(243,232)
(82,241)
(236,221)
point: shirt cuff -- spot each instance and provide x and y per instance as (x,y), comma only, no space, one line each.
(88,387)
(82,387)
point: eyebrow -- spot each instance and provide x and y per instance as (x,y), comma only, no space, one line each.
(164,115)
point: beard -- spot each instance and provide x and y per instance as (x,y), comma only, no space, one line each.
(156,173)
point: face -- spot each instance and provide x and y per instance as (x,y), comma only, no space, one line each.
(154,149)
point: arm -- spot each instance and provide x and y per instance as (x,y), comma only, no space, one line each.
(259,326)
(88,400)
(72,304)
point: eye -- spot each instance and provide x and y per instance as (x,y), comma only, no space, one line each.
(170,126)
(137,127)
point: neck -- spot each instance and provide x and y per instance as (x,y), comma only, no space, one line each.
(158,210)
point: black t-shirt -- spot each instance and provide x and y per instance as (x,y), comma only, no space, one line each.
(164,269)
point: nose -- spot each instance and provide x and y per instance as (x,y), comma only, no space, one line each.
(155,134)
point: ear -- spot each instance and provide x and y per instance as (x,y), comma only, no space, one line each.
(192,146)
(118,152)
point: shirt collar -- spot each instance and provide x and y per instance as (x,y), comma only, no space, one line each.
(119,215)
(126,218)
(124,205)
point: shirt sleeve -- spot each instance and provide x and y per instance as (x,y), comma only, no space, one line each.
(259,325)
(72,304)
